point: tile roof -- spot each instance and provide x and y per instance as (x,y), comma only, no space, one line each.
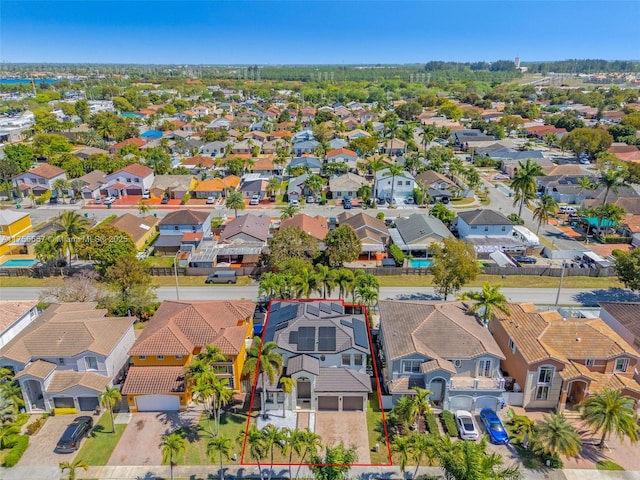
(65,330)
(406,384)
(206,162)
(39,369)
(347,182)
(540,335)
(626,313)
(255,226)
(185,217)
(45,171)
(301,363)
(430,177)
(341,151)
(342,380)
(135,226)
(484,217)
(129,141)
(12,310)
(420,227)
(316,226)
(438,330)
(136,169)
(178,328)
(437,364)
(64,380)
(154,380)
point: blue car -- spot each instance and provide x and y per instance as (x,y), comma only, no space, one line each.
(497,434)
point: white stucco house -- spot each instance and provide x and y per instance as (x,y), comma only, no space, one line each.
(402,185)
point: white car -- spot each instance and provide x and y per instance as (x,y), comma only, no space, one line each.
(109,200)
(210,200)
(255,200)
(466,425)
(294,202)
(146,194)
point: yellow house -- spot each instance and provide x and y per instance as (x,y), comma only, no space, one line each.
(14,225)
(141,229)
(175,334)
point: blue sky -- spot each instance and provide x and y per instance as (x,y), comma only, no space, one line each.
(308,32)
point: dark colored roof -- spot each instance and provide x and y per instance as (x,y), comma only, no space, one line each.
(304,363)
(256,226)
(342,380)
(419,227)
(185,217)
(484,217)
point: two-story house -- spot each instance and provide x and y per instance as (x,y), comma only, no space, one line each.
(324,349)
(372,232)
(134,179)
(175,334)
(175,225)
(344,155)
(38,180)
(216,149)
(15,315)
(488,231)
(401,185)
(557,362)
(442,347)
(68,355)
(623,318)
(14,231)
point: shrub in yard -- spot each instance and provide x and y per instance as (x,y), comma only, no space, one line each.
(397,254)
(34,426)
(432,424)
(22,419)
(14,456)
(449,423)
(553,462)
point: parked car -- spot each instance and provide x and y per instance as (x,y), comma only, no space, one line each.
(109,200)
(255,200)
(97,200)
(501,176)
(70,440)
(524,259)
(408,200)
(346,204)
(146,194)
(495,429)
(222,276)
(294,202)
(466,425)
(164,200)
(310,199)
(210,200)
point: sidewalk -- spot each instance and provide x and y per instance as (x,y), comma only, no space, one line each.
(211,471)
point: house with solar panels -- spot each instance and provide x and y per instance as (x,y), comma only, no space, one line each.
(325,348)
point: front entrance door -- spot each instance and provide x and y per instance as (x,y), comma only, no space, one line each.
(484,368)
(303,387)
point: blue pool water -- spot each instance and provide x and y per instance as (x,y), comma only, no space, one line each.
(19,263)
(420,262)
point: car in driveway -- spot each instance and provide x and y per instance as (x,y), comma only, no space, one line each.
(73,434)
(501,176)
(466,425)
(255,200)
(346,204)
(211,200)
(109,200)
(524,259)
(496,431)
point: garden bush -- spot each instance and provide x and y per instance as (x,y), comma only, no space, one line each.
(34,426)
(397,254)
(14,456)
(22,419)
(449,423)
(432,424)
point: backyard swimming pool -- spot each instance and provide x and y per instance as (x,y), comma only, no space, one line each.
(19,263)
(420,262)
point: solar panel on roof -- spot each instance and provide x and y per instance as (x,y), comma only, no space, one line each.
(293,337)
(307,339)
(275,306)
(325,307)
(313,310)
(337,307)
(360,333)
(281,325)
(326,339)
(346,323)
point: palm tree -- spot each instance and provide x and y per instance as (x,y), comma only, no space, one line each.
(12,392)
(315,183)
(428,135)
(222,395)
(287,384)
(69,228)
(402,446)
(143,208)
(273,185)
(220,446)
(265,360)
(523,425)
(344,277)
(255,441)
(423,446)
(7,432)
(311,443)
(547,206)
(555,436)
(235,200)
(420,403)
(289,211)
(172,445)
(610,412)
(305,283)
(273,438)
(73,466)
(487,300)
(59,185)
(394,171)
(108,399)
(611,212)
(611,177)
(524,183)
(326,278)
(76,184)
(364,193)
(295,442)
(403,410)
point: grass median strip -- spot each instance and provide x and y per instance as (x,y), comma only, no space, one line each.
(97,449)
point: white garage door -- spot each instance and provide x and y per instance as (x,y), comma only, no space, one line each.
(460,402)
(487,402)
(158,403)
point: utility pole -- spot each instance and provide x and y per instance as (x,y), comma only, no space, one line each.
(560,284)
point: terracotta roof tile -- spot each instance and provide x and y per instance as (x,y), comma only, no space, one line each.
(316,226)
(39,369)
(154,380)
(12,310)
(46,171)
(65,380)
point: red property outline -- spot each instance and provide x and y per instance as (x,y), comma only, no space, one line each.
(375,372)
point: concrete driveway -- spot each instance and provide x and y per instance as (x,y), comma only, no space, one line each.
(346,427)
(139,444)
(42,444)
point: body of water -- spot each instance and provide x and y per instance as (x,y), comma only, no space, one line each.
(420,262)
(19,263)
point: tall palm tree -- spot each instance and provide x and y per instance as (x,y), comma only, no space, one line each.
(556,436)
(73,466)
(547,206)
(326,278)
(255,442)
(487,300)
(428,135)
(273,185)
(311,441)
(12,392)
(263,360)
(295,442)
(108,398)
(220,446)
(172,444)
(305,283)
(524,183)
(394,171)
(420,403)
(287,384)
(70,227)
(423,446)
(402,446)
(289,211)
(344,277)
(610,412)
(222,395)
(235,201)
(612,176)
(59,185)
(274,438)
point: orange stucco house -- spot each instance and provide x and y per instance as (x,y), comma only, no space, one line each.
(176,333)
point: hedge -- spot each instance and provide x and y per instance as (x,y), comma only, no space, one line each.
(432,424)
(397,254)
(615,239)
(449,423)
(14,456)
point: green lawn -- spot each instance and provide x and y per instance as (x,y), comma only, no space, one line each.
(513,281)
(164,262)
(100,445)
(608,465)
(376,431)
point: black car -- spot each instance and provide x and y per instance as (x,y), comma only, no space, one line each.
(70,440)
(524,259)
(346,204)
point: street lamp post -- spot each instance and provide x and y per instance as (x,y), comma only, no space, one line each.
(175,272)
(560,283)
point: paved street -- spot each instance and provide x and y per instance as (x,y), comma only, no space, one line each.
(540,296)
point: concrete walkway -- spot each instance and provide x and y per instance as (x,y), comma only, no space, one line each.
(211,471)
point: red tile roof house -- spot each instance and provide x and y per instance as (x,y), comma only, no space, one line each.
(68,355)
(344,155)
(38,180)
(129,141)
(133,179)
